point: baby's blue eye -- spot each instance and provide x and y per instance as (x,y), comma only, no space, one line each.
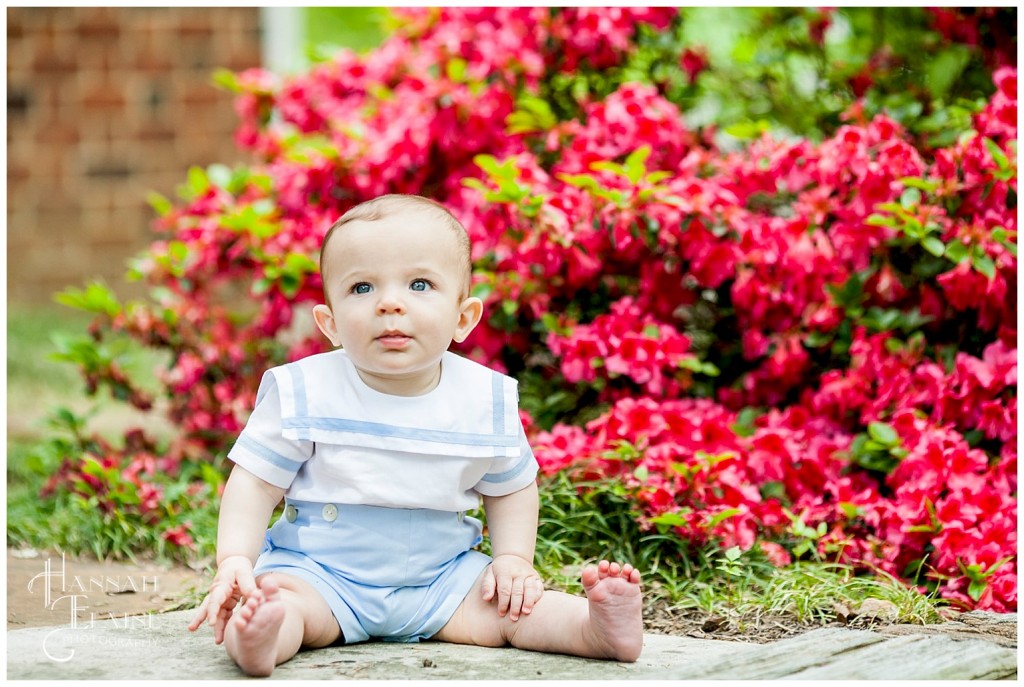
(419,285)
(362,288)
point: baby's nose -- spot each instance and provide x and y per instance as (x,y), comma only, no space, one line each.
(389,303)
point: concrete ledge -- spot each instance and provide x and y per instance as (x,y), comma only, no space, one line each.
(159,647)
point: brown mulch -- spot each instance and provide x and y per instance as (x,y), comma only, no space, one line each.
(660,617)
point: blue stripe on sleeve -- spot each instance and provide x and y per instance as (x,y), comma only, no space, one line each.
(272,457)
(511,473)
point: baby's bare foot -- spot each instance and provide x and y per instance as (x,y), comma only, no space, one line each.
(616,609)
(256,625)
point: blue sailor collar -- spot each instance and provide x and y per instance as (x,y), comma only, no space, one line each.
(473,412)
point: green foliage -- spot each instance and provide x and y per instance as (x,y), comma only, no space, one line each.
(768,72)
(877,450)
(331,28)
(120,519)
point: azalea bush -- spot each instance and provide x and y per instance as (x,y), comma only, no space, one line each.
(797,346)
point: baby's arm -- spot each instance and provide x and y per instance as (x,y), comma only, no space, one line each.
(245,510)
(512,524)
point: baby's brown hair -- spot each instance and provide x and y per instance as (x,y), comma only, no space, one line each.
(392,204)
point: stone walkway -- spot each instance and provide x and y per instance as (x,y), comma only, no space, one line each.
(159,647)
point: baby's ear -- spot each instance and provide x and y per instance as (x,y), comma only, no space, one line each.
(325,321)
(470,312)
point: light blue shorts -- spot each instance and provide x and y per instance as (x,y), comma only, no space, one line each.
(387,573)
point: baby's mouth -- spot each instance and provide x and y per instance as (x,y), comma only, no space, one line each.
(394,339)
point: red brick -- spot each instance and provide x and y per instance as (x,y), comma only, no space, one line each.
(160,19)
(99,23)
(32,19)
(15,25)
(99,56)
(195,53)
(102,93)
(193,92)
(139,134)
(198,22)
(58,133)
(150,131)
(50,55)
(116,226)
(151,50)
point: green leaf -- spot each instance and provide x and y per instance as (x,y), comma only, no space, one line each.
(851,510)
(744,425)
(584,181)
(719,517)
(998,156)
(227,79)
(160,204)
(956,251)
(456,69)
(881,221)
(883,433)
(488,163)
(984,265)
(219,175)
(748,130)
(694,364)
(636,164)
(198,183)
(482,290)
(923,184)
(817,339)
(669,520)
(976,588)
(933,245)
(733,553)
(533,114)
(910,198)
(773,490)
(475,184)
(96,297)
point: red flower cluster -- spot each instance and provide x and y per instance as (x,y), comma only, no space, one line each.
(628,343)
(692,468)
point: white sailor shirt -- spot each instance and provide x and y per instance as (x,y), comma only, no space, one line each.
(322,434)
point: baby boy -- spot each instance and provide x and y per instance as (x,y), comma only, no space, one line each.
(378,449)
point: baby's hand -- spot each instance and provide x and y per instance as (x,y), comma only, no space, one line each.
(515,583)
(234,580)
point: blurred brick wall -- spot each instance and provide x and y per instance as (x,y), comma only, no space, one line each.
(103,106)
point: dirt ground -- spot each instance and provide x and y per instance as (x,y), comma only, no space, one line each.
(114,589)
(102,589)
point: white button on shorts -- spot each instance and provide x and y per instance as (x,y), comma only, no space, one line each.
(290,513)
(330,512)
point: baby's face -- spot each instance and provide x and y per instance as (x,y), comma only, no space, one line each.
(396,290)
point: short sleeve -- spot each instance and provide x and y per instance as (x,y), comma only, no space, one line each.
(509,475)
(261,449)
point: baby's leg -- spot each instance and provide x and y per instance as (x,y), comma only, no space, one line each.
(608,623)
(285,614)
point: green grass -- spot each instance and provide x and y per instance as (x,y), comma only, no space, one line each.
(577,528)
(30,333)
(41,389)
